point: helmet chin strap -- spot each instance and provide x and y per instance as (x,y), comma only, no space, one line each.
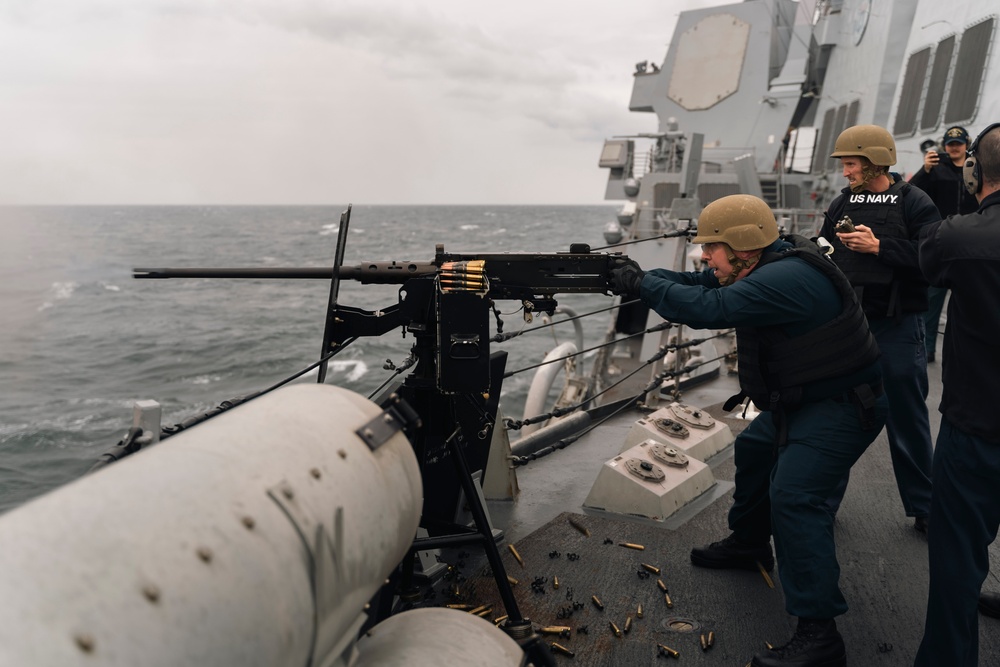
(869,173)
(738,266)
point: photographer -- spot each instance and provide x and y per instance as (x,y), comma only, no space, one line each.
(963,253)
(941,179)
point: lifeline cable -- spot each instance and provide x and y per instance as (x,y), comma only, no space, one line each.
(516,425)
(565,442)
(504,337)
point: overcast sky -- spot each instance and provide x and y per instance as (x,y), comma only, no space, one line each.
(319,101)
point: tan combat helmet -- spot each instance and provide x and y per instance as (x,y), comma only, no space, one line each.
(743,222)
(870,141)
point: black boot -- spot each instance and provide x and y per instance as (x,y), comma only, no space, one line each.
(989,604)
(730,553)
(816,643)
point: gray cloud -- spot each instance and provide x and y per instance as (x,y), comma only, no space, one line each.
(302,101)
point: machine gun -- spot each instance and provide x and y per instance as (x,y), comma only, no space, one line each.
(455,386)
(444,303)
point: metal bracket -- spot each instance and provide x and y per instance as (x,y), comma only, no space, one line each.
(396,416)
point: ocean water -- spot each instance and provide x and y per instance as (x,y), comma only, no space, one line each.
(82,340)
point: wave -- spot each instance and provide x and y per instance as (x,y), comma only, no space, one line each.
(59,292)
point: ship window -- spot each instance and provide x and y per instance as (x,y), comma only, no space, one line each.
(935,87)
(801,146)
(970,67)
(793,196)
(852,113)
(664,195)
(709,192)
(839,123)
(909,96)
(615,154)
(826,138)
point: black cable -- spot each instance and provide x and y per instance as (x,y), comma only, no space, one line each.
(409,361)
(665,235)
(503,338)
(654,329)
(226,405)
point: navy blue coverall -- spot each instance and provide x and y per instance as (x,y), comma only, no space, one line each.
(962,253)
(898,326)
(783,496)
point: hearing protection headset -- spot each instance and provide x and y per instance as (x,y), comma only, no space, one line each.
(972,173)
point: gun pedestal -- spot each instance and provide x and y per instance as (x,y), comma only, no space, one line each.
(455,388)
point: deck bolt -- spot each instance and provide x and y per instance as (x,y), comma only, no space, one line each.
(315,473)
(288,493)
(248,522)
(205,554)
(151,592)
(342,453)
(84,642)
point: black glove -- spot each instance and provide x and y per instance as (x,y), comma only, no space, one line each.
(625,277)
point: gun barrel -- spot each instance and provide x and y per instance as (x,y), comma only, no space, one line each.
(369,272)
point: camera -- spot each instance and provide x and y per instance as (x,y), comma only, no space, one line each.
(844,226)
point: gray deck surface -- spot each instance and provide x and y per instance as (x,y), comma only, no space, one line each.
(883,562)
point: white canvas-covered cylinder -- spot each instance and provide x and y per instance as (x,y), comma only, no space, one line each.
(204,550)
(432,637)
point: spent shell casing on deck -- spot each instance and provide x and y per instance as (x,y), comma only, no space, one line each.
(663,586)
(516,555)
(666,598)
(669,651)
(650,568)
(628,624)
(630,545)
(597,602)
(638,612)
(767,577)
(559,648)
(512,580)
(614,629)
(555,582)
(579,526)
(711,638)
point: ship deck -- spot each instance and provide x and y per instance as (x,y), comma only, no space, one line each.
(883,563)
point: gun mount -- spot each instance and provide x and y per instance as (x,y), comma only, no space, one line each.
(455,385)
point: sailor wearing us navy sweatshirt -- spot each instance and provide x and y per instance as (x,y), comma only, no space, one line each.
(880,260)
